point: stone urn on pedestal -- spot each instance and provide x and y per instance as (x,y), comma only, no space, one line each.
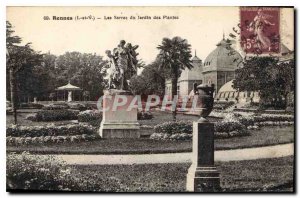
(202,175)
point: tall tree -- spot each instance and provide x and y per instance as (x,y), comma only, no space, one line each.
(150,81)
(84,70)
(175,55)
(268,76)
(18,57)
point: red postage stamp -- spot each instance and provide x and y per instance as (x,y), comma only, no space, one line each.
(260,30)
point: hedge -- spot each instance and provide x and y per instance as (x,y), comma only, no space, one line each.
(54,115)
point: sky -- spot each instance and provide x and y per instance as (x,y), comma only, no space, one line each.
(203,27)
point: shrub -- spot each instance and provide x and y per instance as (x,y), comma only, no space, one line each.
(89,115)
(28,172)
(230,126)
(174,127)
(49,130)
(37,173)
(33,172)
(54,115)
(56,106)
(144,115)
(92,117)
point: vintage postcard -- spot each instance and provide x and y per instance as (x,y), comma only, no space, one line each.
(150,99)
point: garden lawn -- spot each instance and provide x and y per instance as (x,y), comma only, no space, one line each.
(161,117)
(263,137)
(239,176)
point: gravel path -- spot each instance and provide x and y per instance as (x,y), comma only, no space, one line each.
(226,155)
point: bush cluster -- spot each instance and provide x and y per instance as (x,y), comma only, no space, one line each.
(38,173)
(229,127)
(54,115)
(89,115)
(174,127)
(32,172)
(144,115)
(64,105)
(49,130)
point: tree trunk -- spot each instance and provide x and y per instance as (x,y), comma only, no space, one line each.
(13,96)
(174,92)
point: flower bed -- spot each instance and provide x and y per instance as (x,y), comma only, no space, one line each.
(50,130)
(273,112)
(266,120)
(14,141)
(54,115)
(182,130)
(271,123)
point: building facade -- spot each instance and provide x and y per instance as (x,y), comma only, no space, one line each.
(187,79)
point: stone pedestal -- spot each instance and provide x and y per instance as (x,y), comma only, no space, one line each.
(202,175)
(120,123)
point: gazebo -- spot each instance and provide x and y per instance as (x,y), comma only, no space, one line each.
(68,88)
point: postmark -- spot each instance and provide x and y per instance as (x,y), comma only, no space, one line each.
(260,30)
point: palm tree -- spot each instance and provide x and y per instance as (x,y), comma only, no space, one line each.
(175,55)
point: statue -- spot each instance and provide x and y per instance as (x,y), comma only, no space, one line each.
(123,65)
(113,70)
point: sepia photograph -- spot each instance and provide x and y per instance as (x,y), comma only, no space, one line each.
(150,99)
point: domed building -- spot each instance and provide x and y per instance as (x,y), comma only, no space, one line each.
(220,65)
(228,93)
(218,68)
